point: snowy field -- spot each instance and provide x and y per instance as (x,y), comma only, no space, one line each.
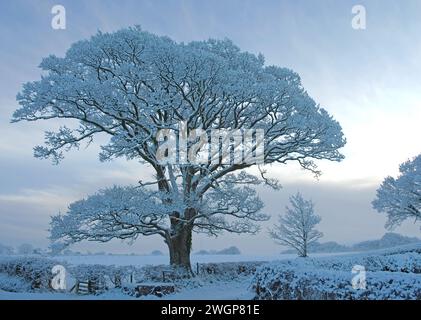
(142,260)
(391,274)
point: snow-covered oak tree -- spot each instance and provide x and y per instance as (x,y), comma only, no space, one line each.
(296,229)
(400,198)
(130,84)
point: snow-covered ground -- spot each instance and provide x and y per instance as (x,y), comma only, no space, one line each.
(236,289)
(400,262)
(232,290)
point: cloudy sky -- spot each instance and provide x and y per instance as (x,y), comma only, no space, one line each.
(368,79)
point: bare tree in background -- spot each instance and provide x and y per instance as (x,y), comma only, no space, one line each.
(297,228)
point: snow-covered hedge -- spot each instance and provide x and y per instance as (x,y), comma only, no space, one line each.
(279,283)
(409,262)
(392,274)
(230,269)
(13,284)
(35,270)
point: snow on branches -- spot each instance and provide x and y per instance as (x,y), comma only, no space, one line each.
(130,84)
(116,212)
(400,198)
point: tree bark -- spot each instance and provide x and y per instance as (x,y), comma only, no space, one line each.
(179,247)
(304,248)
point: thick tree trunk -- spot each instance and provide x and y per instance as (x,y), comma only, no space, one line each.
(304,249)
(179,240)
(179,247)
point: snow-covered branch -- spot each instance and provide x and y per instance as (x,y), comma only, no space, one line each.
(114,213)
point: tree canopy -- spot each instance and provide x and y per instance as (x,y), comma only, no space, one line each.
(400,198)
